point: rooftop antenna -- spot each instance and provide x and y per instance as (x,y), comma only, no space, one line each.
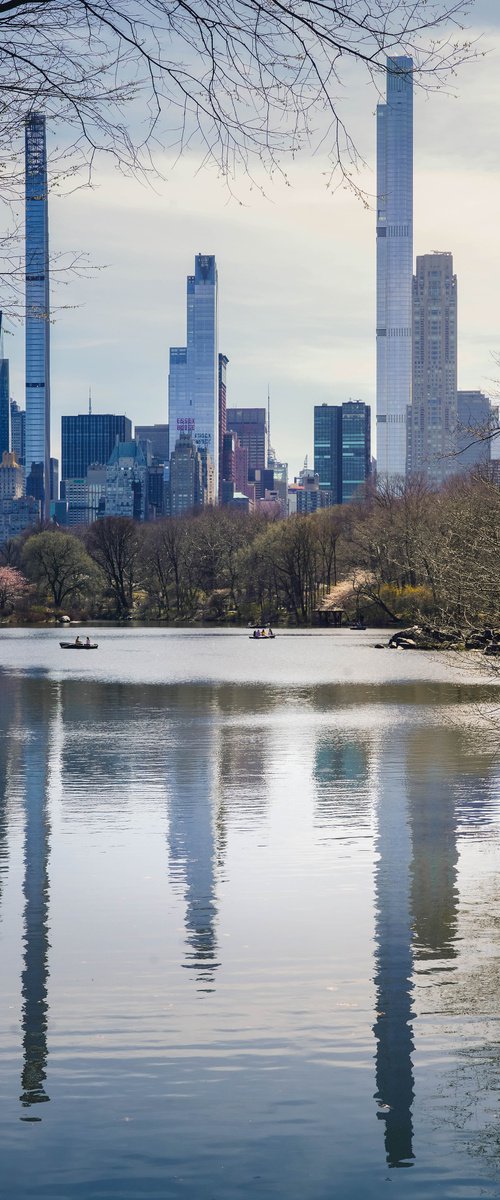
(90,401)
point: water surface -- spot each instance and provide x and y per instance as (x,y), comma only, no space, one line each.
(249,918)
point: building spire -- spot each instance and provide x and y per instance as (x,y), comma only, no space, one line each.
(90,401)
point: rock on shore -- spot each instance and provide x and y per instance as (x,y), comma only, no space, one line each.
(428,637)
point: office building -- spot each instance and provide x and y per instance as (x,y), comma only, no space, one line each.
(475,420)
(432,419)
(194,369)
(342,449)
(356,447)
(18,432)
(88,439)
(186,477)
(127,482)
(157,436)
(5,429)
(37,315)
(250,424)
(394,266)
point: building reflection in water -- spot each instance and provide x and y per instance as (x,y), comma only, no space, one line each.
(37,716)
(342,783)
(433,762)
(416,902)
(192,842)
(393,954)
(216,772)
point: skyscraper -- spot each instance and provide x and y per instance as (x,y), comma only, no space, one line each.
(251,426)
(394,265)
(223,361)
(37,315)
(18,431)
(88,439)
(342,453)
(5,434)
(194,369)
(432,428)
(475,418)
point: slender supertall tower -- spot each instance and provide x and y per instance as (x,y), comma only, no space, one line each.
(394,266)
(194,369)
(37,316)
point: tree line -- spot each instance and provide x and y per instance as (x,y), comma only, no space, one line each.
(401,553)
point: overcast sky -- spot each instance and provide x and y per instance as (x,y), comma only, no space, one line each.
(296,269)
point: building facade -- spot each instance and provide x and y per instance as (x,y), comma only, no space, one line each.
(127,482)
(475,419)
(223,361)
(18,431)
(194,369)
(157,436)
(394,266)
(5,426)
(342,449)
(11,477)
(89,439)
(250,424)
(186,477)
(37,310)
(432,418)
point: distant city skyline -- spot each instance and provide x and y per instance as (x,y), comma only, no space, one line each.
(313,343)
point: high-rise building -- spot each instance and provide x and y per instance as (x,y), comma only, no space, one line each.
(193,392)
(342,449)
(5,429)
(18,431)
(186,477)
(251,426)
(127,482)
(394,265)
(88,439)
(157,436)
(432,418)
(356,447)
(475,421)
(223,361)
(37,314)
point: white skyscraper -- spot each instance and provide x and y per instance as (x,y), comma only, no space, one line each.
(194,369)
(394,266)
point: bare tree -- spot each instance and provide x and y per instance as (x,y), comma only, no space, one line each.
(235,79)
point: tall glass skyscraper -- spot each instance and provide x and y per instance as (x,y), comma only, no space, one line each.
(394,265)
(89,439)
(37,314)
(193,391)
(342,454)
(5,438)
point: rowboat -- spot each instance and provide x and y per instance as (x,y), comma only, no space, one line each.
(261,637)
(78,646)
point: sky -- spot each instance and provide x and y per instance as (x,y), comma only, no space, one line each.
(296,267)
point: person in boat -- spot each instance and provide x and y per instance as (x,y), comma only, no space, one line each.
(87,643)
(270,632)
(77,641)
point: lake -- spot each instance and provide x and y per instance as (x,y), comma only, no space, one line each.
(249,918)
